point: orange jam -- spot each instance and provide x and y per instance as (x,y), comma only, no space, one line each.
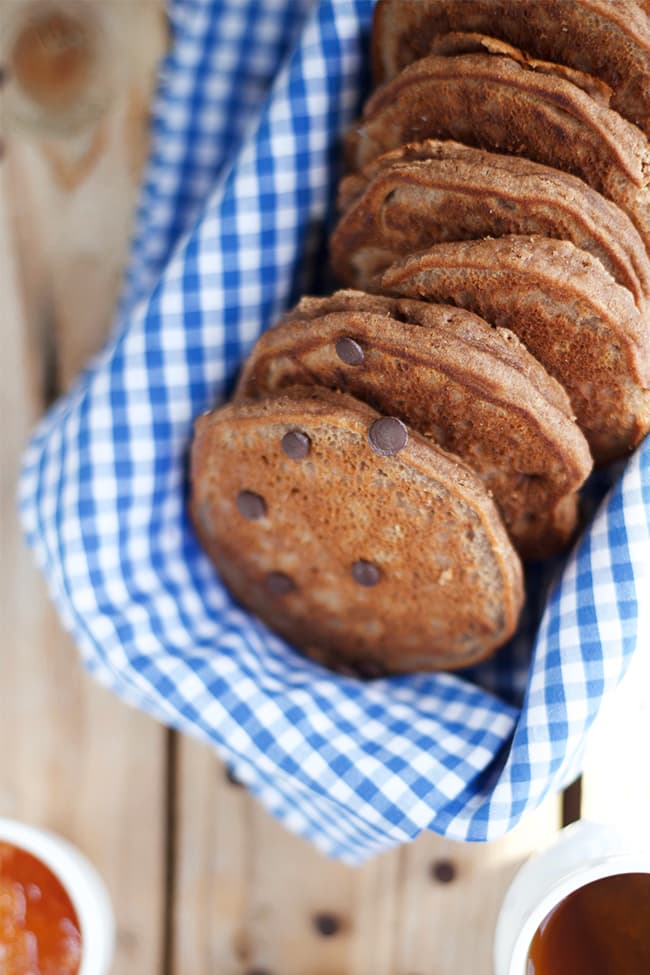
(39,928)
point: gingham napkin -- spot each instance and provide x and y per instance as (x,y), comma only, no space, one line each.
(251,105)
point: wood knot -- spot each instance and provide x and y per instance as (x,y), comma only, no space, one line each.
(53,56)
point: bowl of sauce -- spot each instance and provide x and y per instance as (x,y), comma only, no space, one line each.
(581,906)
(601,928)
(55,914)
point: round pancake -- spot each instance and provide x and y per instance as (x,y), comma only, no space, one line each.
(430,192)
(467,42)
(609,40)
(351,536)
(570,314)
(446,373)
(495,103)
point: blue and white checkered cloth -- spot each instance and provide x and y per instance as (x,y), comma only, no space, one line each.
(251,105)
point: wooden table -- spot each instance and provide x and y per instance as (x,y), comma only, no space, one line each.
(203,881)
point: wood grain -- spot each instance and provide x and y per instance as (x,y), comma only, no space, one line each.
(446,928)
(255,898)
(259,899)
(78,158)
(80,762)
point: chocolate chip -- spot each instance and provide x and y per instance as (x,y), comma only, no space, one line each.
(296,445)
(326,924)
(443,871)
(251,505)
(388,436)
(365,573)
(3,75)
(232,778)
(349,351)
(279,584)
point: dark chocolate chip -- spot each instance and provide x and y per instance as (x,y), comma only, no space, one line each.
(251,505)
(365,573)
(443,871)
(232,778)
(279,583)
(326,924)
(369,669)
(388,436)
(3,75)
(296,445)
(349,351)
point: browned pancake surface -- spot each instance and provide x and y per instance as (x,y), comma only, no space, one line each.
(431,192)
(398,562)
(467,387)
(462,42)
(495,103)
(566,309)
(609,39)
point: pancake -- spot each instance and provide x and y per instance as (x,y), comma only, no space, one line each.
(471,389)
(431,192)
(609,40)
(570,314)
(355,539)
(461,42)
(497,104)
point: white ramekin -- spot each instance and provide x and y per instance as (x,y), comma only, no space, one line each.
(83,885)
(582,853)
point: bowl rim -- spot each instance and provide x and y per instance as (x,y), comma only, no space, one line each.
(610,866)
(81,882)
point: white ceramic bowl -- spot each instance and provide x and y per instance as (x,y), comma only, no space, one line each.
(582,853)
(83,885)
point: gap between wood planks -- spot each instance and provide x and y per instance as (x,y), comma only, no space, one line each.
(171,820)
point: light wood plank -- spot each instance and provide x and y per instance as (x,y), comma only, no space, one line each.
(447,928)
(75,181)
(293,886)
(213,862)
(80,762)
(249,895)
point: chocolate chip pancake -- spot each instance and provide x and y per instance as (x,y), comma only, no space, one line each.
(351,536)
(567,310)
(471,389)
(495,103)
(609,39)
(430,192)
(464,42)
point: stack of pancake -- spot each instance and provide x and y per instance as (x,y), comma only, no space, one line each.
(392,451)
